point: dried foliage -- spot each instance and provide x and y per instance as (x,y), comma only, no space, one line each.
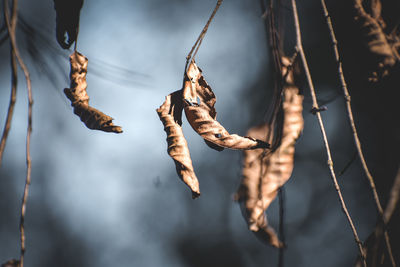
(11,263)
(170,113)
(93,118)
(202,116)
(67,21)
(382,54)
(264,174)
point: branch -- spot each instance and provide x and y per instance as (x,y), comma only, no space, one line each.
(11,25)
(321,124)
(281,195)
(394,198)
(14,80)
(201,35)
(381,227)
(353,127)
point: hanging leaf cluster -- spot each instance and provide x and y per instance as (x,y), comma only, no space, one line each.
(198,100)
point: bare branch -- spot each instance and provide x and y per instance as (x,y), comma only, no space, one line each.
(14,82)
(353,126)
(394,198)
(11,26)
(321,124)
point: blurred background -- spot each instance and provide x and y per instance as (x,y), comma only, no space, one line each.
(101,199)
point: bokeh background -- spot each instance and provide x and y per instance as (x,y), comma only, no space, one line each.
(101,199)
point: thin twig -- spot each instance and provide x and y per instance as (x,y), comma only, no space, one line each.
(11,30)
(274,116)
(394,198)
(281,195)
(201,35)
(14,80)
(380,227)
(321,124)
(348,164)
(353,127)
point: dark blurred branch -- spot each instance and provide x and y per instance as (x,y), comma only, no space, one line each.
(281,195)
(394,198)
(275,111)
(3,30)
(353,126)
(11,26)
(321,124)
(348,164)
(381,227)
(373,245)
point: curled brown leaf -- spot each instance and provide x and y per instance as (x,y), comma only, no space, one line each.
(170,113)
(264,174)
(94,119)
(199,101)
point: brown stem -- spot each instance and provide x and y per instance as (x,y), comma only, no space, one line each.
(353,126)
(11,25)
(14,81)
(321,124)
(201,35)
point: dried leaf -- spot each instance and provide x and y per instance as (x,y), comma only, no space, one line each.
(170,113)
(11,263)
(249,194)
(67,21)
(202,115)
(383,56)
(94,119)
(264,174)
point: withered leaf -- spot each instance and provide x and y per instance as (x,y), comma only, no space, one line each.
(202,116)
(383,55)
(67,21)
(264,174)
(11,263)
(94,119)
(250,195)
(170,113)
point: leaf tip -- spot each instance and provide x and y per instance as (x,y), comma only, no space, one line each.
(195,194)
